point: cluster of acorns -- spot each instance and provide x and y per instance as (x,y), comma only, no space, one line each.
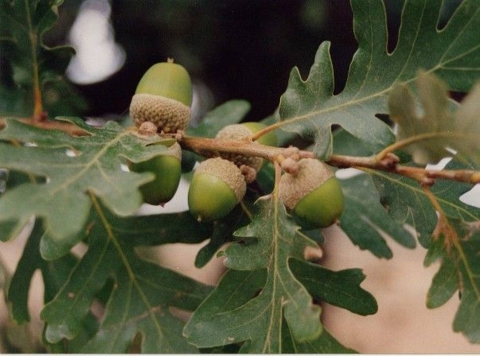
(308,187)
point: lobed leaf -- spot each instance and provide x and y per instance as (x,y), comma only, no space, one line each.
(54,275)
(261,303)
(32,68)
(229,113)
(460,270)
(453,238)
(438,130)
(309,107)
(73,168)
(365,220)
(270,239)
(445,282)
(408,204)
(341,288)
(140,299)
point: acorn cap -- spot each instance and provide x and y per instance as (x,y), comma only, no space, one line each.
(310,175)
(168,115)
(237,132)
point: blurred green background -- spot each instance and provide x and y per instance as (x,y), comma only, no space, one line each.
(233,49)
(242,49)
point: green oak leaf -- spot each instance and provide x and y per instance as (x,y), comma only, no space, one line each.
(438,129)
(308,107)
(228,113)
(236,288)
(35,72)
(460,270)
(10,229)
(445,282)
(74,168)
(346,144)
(341,288)
(260,292)
(222,233)
(324,344)
(142,294)
(365,219)
(54,275)
(407,203)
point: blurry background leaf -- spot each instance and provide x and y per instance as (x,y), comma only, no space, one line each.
(436,118)
(231,112)
(31,72)
(457,130)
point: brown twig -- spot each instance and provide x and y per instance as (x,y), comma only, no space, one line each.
(420,174)
(46,124)
(213,147)
(443,226)
(389,163)
(210,146)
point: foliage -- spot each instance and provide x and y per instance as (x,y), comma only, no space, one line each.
(309,108)
(70,181)
(33,77)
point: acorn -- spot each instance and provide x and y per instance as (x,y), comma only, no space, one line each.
(163,97)
(238,132)
(313,194)
(167,170)
(217,186)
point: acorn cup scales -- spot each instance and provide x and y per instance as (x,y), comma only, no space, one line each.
(163,96)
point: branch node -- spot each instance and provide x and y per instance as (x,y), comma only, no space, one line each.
(249,173)
(290,165)
(292,152)
(390,161)
(427,181)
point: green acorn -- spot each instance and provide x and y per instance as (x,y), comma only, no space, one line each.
(167,170)
(163,97)
(313,194)
(237,132)
(216,188)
